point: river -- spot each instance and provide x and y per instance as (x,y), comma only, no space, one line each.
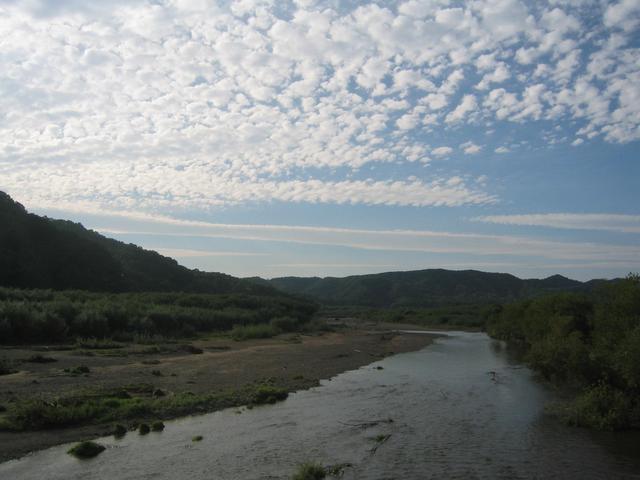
(451,419)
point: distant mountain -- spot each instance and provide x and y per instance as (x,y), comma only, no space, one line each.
(39,252)
(423,288)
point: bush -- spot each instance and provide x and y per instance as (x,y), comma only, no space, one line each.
(119,430)
(601,407)
(86,450)
(6,367)
(143,429)
(268,394)
(285,324)
(157,426)
(310,471)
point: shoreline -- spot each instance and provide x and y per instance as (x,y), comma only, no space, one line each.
(290,362)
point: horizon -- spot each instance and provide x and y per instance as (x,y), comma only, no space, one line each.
(318,138)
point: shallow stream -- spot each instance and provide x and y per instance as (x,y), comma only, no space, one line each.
(452,419)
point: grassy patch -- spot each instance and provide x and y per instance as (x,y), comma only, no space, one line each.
(79,370)
(310,471)
(97,344)
(134,402)
(246,332)
(38,358)
(197,438)
(86,450)
(6,367)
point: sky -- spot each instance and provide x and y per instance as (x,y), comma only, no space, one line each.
(330,138)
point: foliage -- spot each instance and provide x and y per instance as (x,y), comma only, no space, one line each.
(423,288)
(86,450)
(101,321)
(246,332)
(310,471)
(136,403)
(590,342)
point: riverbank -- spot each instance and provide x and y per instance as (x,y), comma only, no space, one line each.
(291,362)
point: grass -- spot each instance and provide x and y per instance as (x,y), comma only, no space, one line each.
(310,471)
(97,344)
(247,332)
(86,449)
(38,358)
(79,370)
(6,367)
(129,404)
(197,438)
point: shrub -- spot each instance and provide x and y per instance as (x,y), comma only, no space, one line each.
(268,394)
(143,429)
(86,450)
(310,471)
(119,430)
(197,438)
(157,426)
(285,324)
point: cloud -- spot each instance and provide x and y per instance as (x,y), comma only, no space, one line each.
(263,96)
(416,241)
(573,221)
(470,148)
(502,149)
(442,151)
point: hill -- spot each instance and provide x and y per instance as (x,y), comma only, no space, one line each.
(424,288)
(39,252)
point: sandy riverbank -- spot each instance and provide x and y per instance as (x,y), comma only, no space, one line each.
(293,362)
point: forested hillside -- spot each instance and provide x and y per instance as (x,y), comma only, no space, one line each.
(38,252)
(424,288)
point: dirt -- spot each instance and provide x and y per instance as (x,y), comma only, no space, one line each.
(291,361)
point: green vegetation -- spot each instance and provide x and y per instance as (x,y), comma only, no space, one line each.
(157,426)
(137,402)
(101,321)
(119,430)
(40,359)
(467,316)
(268,394)
(39,252)
(246,332)
(79,370)
(197,438)
(588,342)
(86,450)
(310,471)
(6,367)
(143,429)
(423,288)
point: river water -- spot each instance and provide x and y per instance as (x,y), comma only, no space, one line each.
(451,419)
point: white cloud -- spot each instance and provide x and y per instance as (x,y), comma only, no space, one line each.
(259,96)
(470,148)
(577,221)
(441,151)
(502,149)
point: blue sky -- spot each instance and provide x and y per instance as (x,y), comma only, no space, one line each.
(332,138)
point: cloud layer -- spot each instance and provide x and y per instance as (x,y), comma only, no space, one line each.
(190,104)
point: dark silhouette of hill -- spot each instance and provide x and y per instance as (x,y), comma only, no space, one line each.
(39,252)
(424,288)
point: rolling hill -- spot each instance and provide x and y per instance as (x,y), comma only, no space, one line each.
(424,288)
(39,252)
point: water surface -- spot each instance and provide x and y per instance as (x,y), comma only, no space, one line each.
(452,419)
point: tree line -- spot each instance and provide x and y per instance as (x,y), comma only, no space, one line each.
(589,342)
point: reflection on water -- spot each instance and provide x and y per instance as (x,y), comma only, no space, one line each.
(462,408)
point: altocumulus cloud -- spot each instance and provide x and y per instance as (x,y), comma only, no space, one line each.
(146,105)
